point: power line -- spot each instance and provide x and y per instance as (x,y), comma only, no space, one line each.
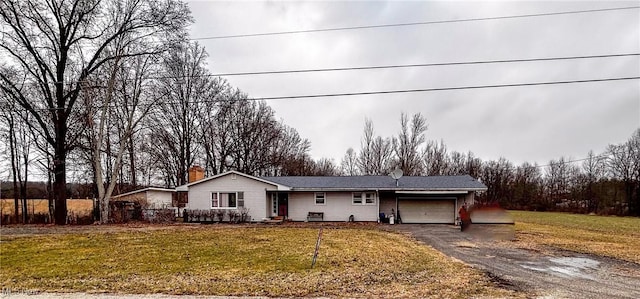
(376,92)
(598,157)
(434,64)
(421,65)
(416,23)
(445,88)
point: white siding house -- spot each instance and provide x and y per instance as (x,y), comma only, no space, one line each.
(337,206)
(230,191)
(337,198)
(149,198)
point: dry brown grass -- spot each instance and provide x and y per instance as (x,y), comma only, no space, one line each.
(80,207)
(248,260)
(617,237)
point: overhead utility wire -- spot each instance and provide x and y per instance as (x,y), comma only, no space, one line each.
(420,65)
(444,88)
(380,67)
(597,157)
(380,92)
(416,23)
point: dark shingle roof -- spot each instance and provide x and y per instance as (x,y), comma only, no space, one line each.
(465,182)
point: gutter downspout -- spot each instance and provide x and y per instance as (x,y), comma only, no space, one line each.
(378,203)
(455,212)
(397,206)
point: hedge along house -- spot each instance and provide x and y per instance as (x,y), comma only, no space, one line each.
(417,199)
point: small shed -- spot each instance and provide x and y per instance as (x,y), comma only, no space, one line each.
(148,198)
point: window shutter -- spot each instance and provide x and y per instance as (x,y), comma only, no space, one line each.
(214,200)
(240,199)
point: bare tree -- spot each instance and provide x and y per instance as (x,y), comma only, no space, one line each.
(113,115)
(634,144)
(408,142)
(457,163)
(349,164)
(325,167)
(256,135)
(473,165)
(220,134)
(624,164)
(436,158)
(58,45)
(292,154)
(559,180)
(498,176)
(213,138)
(299,165)
(376,153)
(365,158)
(381,155)
(593,169)
(177,121)
(9,120)
(20,140)
(527,184)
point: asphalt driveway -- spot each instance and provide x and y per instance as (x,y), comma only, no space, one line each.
(549,274)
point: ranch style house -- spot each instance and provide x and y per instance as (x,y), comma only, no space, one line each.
(409,199)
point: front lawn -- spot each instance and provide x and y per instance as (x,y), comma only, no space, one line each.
(242,260)
(611,236)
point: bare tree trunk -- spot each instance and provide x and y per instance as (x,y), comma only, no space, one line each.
(25,151)
(50,194)
(23,189)
(97,141)
(14,166)
(128,111)
(132,162)
(60,183)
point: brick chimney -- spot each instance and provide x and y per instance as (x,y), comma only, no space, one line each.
(196,173)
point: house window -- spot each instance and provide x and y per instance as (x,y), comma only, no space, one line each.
(227,200)
(370,198)
(364,198)
(320,198)
(357,198)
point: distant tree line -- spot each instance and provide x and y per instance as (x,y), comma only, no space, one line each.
(605,183)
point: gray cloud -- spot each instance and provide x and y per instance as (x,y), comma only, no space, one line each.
(532,124)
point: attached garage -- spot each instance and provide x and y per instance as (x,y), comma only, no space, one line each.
(427,210)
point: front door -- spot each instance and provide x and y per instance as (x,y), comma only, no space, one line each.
(283,204)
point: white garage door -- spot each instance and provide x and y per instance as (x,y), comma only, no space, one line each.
(427,210)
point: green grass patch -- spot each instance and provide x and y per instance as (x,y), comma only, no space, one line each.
(248,260)
(617,237)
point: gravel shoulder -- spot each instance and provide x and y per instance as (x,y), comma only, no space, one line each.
(548,273)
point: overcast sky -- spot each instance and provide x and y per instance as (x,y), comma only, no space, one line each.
(535,123)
